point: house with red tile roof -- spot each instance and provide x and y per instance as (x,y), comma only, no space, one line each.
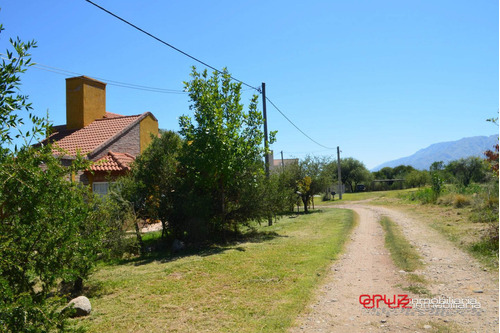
(111,140)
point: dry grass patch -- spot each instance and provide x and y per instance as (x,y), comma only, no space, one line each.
(456,225)
(253,286)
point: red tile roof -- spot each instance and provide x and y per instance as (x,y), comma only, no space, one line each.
(112,115)
(113,162)
(90,137)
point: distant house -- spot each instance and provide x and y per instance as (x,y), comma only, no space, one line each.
(279,164)
(111,140)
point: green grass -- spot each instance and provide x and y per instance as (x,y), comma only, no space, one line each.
(402,252)
(404,257)
(457,226)
(259,285)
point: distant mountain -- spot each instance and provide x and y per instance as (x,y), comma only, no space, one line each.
(446,152)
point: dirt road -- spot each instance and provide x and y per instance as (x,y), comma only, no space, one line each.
(367,268)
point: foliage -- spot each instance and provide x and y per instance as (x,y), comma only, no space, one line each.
(492,159)
(12,102)
(151,184)
(312,180)
(466,170)
(119,215)
(411,176)
(417,178)
(384,173)
(353,172)
(436,166)
(423,195)
(437,186)
(281,193)
(50,228)
(221,161)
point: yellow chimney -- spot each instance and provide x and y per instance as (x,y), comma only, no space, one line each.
(85,101)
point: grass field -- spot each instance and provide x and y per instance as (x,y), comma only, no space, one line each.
(258,285)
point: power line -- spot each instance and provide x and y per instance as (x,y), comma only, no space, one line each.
(167,44)
(291,122)
(109,82)
(205,64)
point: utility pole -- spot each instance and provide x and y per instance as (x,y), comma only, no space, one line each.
(266,142)
(338,170)
(282,162)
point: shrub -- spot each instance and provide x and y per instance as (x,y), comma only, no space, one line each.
(50,230)
(424,195)
(460,201)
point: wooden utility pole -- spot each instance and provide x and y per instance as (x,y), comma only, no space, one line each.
(282,162)
(266,141)
(339,173)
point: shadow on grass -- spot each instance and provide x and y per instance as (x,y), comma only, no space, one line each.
(158,250)
(302,213)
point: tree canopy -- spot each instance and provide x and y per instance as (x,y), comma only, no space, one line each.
(221,162)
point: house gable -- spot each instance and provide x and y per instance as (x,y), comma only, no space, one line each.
(148,128)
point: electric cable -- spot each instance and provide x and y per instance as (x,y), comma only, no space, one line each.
(207,65)
(301,131)
(167,44)
(110,82)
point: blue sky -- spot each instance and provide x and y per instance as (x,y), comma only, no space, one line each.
(380,79)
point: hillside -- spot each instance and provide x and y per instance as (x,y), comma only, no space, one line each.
(445,151)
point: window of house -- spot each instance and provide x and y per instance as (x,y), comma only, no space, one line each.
(100,188)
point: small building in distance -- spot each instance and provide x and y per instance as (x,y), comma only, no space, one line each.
(111,140)
(279,164)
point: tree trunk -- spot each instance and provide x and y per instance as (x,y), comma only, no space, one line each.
(139,237)
(77,287)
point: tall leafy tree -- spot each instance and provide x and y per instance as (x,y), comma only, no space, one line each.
(313,179)
(151,184)
(466,170)
(353,172)
(222,155)
(50,228)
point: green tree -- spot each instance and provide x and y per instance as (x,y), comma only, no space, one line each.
(50,228)
(417,178)
(221,162)
(153,178)
(401,171)
(312,179)
(384,173)
(466,170)
(281,193)
(437,166)
(353,172)
(11,102)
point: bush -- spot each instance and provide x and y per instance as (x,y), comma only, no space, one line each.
(425,196)
(50,230)
(460,201)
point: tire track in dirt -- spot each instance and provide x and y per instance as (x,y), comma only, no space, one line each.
(366,268)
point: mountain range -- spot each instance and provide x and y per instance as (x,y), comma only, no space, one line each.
(446,152)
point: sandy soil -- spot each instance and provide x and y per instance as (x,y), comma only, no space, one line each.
(367,268)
